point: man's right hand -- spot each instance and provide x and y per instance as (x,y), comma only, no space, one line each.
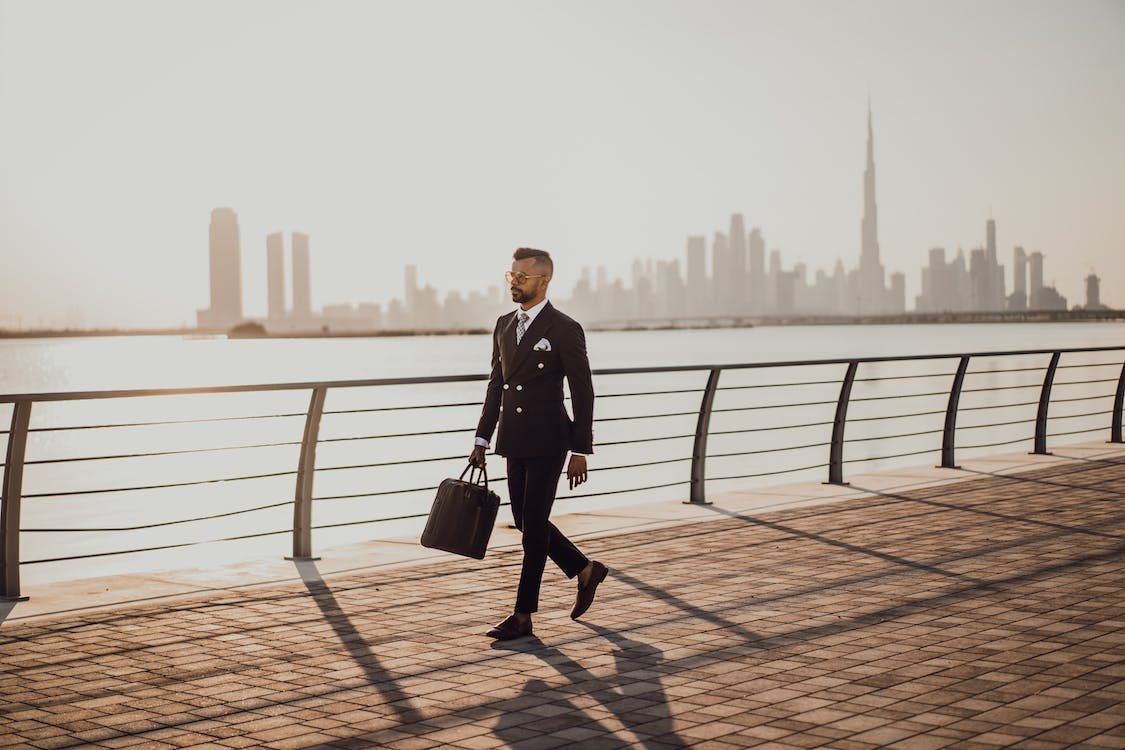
(476,458)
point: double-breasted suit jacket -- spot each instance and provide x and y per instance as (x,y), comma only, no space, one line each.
(525,389)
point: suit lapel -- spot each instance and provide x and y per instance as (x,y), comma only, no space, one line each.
(508,345)
(534,332)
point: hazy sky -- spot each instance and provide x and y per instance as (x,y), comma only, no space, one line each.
(447,133)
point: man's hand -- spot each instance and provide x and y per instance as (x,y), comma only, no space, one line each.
(476,458)
(576,470)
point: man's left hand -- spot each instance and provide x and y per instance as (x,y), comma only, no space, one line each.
(576,470)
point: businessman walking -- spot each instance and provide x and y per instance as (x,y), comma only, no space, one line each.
(533,348)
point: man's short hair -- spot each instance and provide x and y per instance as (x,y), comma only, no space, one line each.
(542,258)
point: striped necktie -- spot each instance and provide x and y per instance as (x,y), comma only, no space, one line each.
(521,327)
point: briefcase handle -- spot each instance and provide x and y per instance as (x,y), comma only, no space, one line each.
(473,477)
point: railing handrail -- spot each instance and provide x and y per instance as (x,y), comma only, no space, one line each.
(14,398)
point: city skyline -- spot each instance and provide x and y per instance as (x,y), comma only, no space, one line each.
(673,117)
(737,284)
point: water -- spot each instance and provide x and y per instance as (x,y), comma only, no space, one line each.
(756,439)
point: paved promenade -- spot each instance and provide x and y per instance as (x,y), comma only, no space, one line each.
(989,612)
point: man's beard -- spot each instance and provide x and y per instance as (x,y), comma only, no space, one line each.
(518,295)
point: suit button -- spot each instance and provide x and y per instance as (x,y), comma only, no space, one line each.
(540,365)
(519,387)
(505,386)
(519,410)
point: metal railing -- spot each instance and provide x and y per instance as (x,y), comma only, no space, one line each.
(303,498)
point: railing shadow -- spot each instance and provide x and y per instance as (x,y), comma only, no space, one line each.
(353,642)
(641,707)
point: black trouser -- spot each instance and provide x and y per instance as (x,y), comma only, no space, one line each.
(531,487)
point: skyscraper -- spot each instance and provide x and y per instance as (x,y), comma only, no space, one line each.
(1035,289)
(872,278)
(226,272)
(697,274)
(737,287)
(275,276)
(1018,298)
(757,272)
(302,298)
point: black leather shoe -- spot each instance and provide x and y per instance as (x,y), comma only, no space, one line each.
(509,629)
(586,593)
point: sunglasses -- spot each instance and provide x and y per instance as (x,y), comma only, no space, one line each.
(519,277)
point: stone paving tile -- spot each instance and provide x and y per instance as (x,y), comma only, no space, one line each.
(986,613)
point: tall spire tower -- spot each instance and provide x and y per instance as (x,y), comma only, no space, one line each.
(871,292)
(869,253)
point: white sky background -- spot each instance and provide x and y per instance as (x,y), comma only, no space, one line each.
(445,134)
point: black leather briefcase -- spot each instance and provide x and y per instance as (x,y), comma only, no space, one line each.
(462,516)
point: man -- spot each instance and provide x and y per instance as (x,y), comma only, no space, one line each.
(533,349)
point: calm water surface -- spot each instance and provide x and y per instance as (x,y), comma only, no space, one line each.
(762,432)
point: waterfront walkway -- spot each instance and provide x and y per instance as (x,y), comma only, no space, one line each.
(985,612)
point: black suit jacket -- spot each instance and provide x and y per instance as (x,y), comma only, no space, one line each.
(525,391)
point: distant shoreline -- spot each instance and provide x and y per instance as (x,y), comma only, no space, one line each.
(1022,316)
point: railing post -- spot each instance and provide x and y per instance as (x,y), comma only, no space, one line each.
(302,499)
(1118,403)
(699,452)
(948,435)
(836,451)
(1044,402)
(10,504)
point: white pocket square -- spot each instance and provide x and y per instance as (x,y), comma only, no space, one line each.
(542,345)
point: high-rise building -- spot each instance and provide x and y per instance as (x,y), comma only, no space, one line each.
(1017,300)
(757,272)
(275,276)
(738,286)
(872,291)
(1093,292)
(697,274)
(302,297)
(720,275)
(225,271)
(1035,287)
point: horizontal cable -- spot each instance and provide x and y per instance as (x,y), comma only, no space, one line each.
(645,440)
(1094,364)
(1000,372)
(768,429)
(894,416)
(894,455)
(996,424)
(155,549)
(649,416)
(767,473)
(892,437)
(461,456)
(423,433)
(631,489)
(382,493)
(994,445)
(989,389)
(1086,414)
(160,453)
(772,406)
(902,377)
(900,395)
(997,406)
(766,450)
(834,381)
(1080,398)
(1086,382)
(650,393)
(161,423)
(373,409)
(1075,432)
(160,486)
(167,523)
(637,466)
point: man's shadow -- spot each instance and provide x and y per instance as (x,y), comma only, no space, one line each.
(648,712)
